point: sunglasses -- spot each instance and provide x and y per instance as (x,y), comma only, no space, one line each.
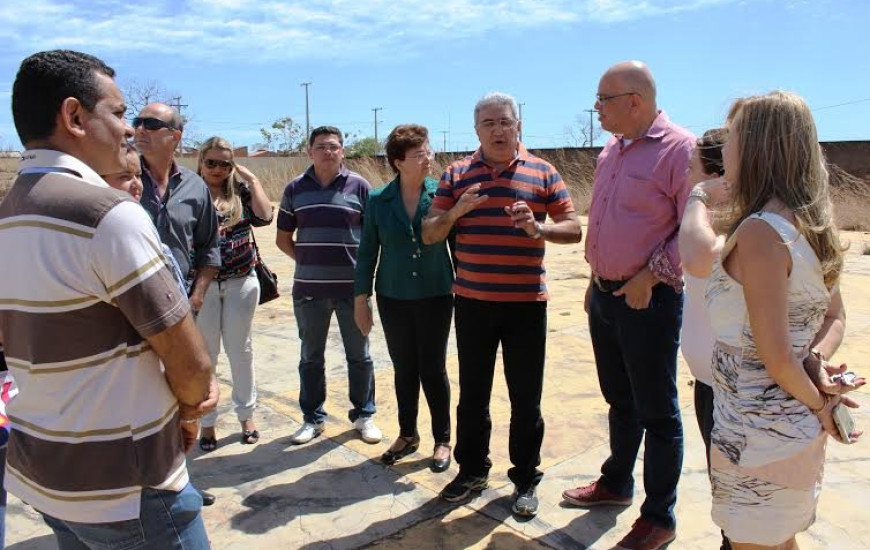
(151,124)
(212,163)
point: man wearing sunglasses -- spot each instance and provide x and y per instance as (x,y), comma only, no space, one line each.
(177,199)
(634,299)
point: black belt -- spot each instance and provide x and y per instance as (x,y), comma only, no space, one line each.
(606,285)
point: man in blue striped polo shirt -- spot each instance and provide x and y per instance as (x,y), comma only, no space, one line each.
(324,208)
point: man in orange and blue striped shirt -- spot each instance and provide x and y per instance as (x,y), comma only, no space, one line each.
(498,200)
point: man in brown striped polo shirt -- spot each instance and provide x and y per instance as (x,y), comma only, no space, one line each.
(88,310)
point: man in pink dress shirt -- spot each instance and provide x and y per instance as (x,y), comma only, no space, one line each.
(634,300)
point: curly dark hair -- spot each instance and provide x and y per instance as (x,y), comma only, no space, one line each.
(44,81)
(401,139)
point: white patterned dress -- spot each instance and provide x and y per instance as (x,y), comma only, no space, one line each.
(768,448)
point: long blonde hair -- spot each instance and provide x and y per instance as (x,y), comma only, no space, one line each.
(780,157)
(230,205)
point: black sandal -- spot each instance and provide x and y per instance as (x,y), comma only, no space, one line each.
(208,444)
(439,466)
(250,437)
(411,445)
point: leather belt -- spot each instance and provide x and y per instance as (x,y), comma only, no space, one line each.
(606,285)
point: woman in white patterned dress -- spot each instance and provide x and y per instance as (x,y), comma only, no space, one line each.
(769,296)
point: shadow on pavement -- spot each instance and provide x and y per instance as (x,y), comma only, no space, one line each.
(584,531)
(263,460)
(320,492)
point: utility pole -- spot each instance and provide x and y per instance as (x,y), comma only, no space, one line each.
(377,143)
(521,121)
(307,120)
(444,132)
(176,103)
(591,128)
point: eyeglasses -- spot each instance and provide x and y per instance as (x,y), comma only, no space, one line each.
(151,124)
(503,123)
(214,163)
(331,147)
(605,98)
(421,156)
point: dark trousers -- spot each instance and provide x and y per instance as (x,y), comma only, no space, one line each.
(704,415)
(636,357)
(521,329)
(417,332)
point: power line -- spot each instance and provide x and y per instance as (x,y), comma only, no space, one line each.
(841,104)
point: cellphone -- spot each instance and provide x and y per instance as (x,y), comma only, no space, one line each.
(844,421)
(846,379)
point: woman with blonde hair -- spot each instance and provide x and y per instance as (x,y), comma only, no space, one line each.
(228,307)
(769,295)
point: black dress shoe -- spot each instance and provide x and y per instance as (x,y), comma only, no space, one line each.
(439,466)
(411,445)
(207,498)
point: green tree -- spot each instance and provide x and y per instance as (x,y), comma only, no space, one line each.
(283,136)
(364,147)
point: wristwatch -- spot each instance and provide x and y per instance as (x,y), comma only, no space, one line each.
(700,194)
(538,233)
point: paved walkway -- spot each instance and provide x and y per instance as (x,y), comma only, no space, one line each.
(334,494)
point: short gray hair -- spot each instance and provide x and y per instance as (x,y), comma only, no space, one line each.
(176,120)
(496,98)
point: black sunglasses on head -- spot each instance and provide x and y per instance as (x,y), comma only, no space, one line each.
(151,124)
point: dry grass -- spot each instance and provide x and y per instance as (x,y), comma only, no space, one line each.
(851,198)
(8,167)
(275,172)
(850,195)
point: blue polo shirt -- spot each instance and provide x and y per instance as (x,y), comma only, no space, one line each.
(327,221)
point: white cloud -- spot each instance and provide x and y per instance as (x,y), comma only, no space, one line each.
(282,29)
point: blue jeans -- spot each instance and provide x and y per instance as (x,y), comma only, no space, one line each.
(168,520)
(636,357)
(312,317)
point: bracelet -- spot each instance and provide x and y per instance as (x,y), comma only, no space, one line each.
(193,420)
(701,195)
(538,231)
(825,400)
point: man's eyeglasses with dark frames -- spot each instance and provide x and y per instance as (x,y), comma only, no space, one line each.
(151,124)
(601,98)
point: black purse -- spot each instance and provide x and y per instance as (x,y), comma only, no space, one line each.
(268,280)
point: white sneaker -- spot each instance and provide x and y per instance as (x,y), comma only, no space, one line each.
(306,433)
(367,429)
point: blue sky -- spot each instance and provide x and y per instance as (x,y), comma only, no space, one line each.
(238,63)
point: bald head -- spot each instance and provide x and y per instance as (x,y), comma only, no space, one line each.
(163,112)
(634,76)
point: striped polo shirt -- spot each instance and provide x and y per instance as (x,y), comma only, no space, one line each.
(85,285)
(495,260)
(328,225)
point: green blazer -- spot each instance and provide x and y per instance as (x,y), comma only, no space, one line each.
(407,268)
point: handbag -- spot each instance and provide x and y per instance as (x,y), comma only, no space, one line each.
(268,280)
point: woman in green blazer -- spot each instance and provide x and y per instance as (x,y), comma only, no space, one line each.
(414,291)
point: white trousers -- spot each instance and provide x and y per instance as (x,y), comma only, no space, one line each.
(227,314)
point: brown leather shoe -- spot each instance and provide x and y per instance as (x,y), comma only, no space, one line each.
(646,536)
(594,494)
